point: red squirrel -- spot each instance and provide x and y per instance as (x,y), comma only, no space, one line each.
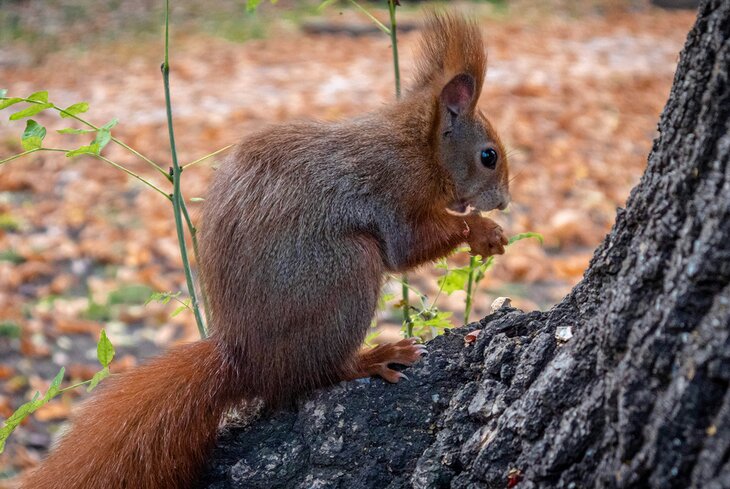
(300,226)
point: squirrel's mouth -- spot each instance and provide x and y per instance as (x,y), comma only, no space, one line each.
(460,208)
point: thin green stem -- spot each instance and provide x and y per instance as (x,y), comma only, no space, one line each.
(103,158)
(441,289)
(182,303)
(96,128)
(418,293)
(394,45)
(214,153)
(24,153)
(117,141)
(396,70)
(406,305)
(132,174)
(176,174)
(380,25)
(469,289)
(194,236)
(72,387)
(15,157)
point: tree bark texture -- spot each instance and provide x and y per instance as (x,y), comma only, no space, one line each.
(638,397)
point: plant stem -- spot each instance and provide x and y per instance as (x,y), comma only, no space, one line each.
(132,174)
(396,71)
(469,289)
(117,141)
(405,302)
(15,157)
(72,387)
(96,128)
(103,158)
(394,45)
(373,18)
(194,236)
(214,153)
(176,174)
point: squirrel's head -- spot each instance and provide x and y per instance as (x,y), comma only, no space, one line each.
(470,150)
(452,67)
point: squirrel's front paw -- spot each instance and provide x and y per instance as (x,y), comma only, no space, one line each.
(486,238)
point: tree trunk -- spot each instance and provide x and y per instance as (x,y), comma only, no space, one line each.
(638,397)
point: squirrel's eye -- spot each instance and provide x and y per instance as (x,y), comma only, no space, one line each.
(489,158)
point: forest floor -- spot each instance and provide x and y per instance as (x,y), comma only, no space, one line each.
(574,92)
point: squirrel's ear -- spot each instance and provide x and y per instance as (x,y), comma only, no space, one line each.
(458,95)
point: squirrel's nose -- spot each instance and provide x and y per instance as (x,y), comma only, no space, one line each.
(503,203)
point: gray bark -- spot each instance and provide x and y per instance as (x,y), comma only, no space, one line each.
(637,398)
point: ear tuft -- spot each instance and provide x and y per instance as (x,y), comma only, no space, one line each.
(450,45)
(458,94)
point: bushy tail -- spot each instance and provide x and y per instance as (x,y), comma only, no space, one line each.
(148,428)
(450,45)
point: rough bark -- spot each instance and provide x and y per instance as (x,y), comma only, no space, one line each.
(637,398)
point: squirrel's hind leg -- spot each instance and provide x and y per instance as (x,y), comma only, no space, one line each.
(376,361)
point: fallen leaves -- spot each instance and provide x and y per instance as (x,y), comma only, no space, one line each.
(77,326)
(471,337)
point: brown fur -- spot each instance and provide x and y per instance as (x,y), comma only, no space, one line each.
(451,45)
(133,433)
(300,225)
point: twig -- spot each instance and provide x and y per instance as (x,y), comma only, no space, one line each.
(176,174)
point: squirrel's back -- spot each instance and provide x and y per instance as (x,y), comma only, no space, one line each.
(299,226)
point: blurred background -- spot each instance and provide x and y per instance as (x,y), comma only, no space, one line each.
(575,89)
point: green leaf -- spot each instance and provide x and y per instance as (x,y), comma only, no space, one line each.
(74,109)
(104,135)
(370,339)
(440,320)
(10,101)
(98,377)
(41,96)
(30,111)
(71,130)
(178,310)
(17,417)
(130,294)
(454,280)
(383,300)
(9,329)
(251,5)
(430,321)
(55,387)
(29,407)
(161,297)
(481,270)
(441,264)
(104,350)
(197,199)
(521,236)
(24,410)
(91,149)
(109,125)
(33,135)
(324,4)
(185,305)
